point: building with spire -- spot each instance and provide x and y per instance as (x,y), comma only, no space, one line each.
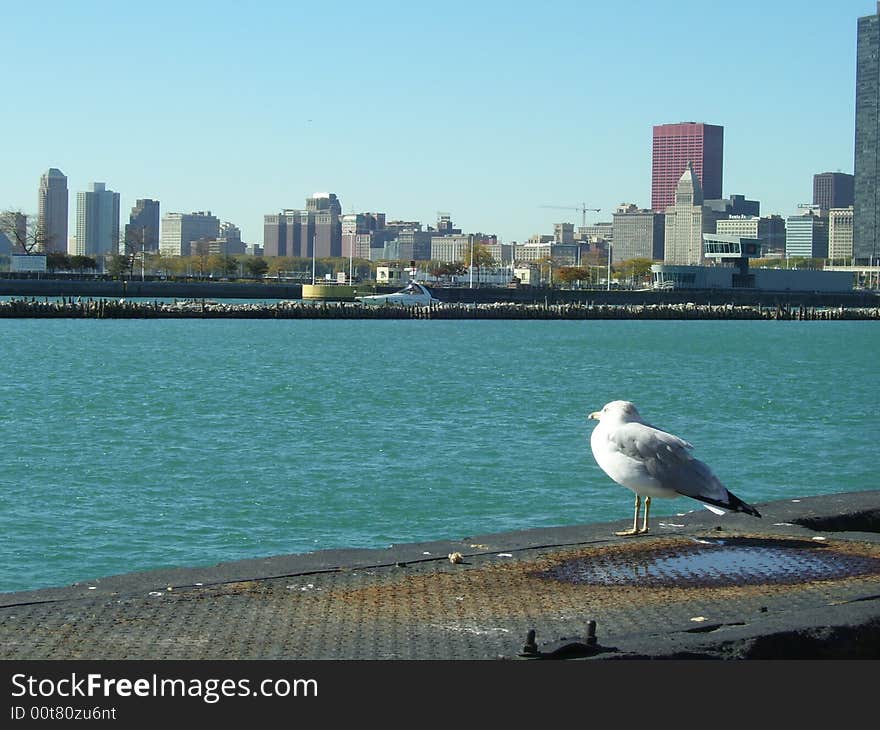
(52,211)
(687,220)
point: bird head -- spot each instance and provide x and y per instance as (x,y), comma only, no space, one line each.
(617,410)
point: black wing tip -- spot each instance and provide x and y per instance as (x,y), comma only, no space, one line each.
(739,506)
(734,504)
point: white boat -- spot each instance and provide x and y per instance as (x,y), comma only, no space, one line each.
(413,294)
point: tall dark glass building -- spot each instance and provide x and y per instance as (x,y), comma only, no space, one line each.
(866,212)
(142,228)
(833,190)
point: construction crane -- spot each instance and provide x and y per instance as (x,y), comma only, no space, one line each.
(582,208)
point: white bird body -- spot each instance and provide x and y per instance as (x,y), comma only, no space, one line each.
(654,463)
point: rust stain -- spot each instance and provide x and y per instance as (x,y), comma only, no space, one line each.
(487,589)
(516,590)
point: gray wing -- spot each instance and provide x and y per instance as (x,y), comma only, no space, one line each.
(666,457)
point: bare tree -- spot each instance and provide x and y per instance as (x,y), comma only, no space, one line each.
(199,252)
(133,247)
(130,249)
(26,233)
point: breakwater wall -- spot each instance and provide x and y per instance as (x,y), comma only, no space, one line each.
(203,309)
(269,290)
(48,287)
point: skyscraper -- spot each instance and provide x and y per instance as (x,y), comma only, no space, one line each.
(282,233)
(326,212)
(840,233)
(296,232)
(361,232)
(637,234)
(807,234)
(229,242)
(52,210)
(686,222)
(832,190)
(181,230)
(142,229)
(97,221)
(677,144)
(866,213)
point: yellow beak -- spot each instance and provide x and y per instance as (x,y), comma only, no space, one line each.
(595,415)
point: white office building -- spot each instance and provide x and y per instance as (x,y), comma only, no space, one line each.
(52,210)
(97,221)
(770,229)
(806,235)
(840,233)
(181,230)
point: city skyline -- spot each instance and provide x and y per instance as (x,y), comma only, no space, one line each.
(507,119)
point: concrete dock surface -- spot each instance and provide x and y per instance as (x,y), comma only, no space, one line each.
(802,582)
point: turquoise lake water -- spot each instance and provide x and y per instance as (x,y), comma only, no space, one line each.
(138,444)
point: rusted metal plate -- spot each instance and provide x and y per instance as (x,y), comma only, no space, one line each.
(647,594)
(706,563)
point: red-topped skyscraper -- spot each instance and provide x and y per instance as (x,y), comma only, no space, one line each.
(677,144)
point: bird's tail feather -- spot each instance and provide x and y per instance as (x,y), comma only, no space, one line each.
(733,504)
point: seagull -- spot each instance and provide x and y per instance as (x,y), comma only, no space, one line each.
(654,463)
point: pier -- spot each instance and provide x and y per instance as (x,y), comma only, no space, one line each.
(803,582)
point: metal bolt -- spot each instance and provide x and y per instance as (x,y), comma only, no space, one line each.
(530,646)
(591,633)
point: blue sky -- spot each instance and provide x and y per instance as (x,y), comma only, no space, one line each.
(486,110)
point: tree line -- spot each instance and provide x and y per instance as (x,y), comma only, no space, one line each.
(28,236)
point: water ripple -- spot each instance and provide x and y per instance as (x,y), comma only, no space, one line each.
(138,444)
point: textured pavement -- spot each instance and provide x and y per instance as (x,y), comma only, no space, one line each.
(804,581)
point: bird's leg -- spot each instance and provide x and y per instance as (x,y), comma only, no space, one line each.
(647,509)
(635,527)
